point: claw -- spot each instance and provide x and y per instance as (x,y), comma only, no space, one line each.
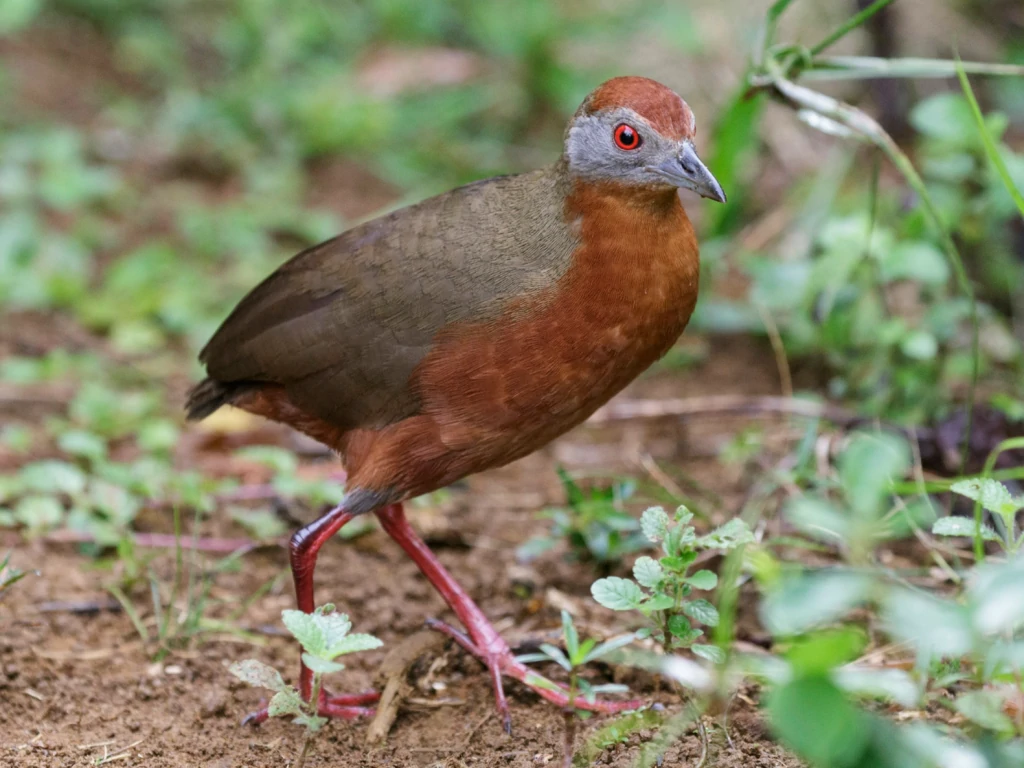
(501,662)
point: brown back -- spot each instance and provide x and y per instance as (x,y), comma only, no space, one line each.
(342,325)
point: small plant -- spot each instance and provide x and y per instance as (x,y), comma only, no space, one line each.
(577,654)
(594,525)
(663,589)
(995,499)
(9,575)
(324,636)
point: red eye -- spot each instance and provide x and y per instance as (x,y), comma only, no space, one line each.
(626,137)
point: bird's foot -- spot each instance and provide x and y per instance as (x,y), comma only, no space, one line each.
(346,707)
(501,662)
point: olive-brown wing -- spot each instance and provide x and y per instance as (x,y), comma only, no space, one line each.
(343,325)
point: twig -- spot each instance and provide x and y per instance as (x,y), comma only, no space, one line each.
(628,410)
(778,348)
(78,606)
(648,463)
(166,541)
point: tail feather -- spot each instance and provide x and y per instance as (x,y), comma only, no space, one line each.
(209,395)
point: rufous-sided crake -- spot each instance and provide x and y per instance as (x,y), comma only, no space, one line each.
(472,328)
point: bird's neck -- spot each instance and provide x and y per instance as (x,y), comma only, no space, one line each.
(623,224)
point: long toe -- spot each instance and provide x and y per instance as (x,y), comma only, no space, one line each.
(344,707)
(557,693)
(502,663)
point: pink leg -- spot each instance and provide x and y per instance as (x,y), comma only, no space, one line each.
(303,548)
(483,640)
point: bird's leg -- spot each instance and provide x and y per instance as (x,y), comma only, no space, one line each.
(303,548)
(481,638)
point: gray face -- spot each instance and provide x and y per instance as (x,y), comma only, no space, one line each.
(658,161)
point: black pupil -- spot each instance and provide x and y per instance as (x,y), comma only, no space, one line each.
(626,136)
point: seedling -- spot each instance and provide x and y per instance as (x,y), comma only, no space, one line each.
(324,636)
(594,525)
(577,654)
(662,590)
(9,575)
(179,607)
(994,498)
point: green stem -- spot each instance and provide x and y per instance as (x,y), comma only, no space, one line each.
(569,716)
(912,488)
(768,30)
(849,25)
(1011,444)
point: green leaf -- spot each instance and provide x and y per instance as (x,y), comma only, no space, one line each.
(313,723)
(79,442)
(805,601)
(617,593)
(704,580)
(285,702)
(840,732)
(321,666)
(915,260)
(712,653)
(258,674)
(39,512)
(680,628)
(996,595)
(919,345)
(324,633)
(260,523)
(934,628)
(53,476)
(354,644)
(819,652)
(647,572)
(702,611)
(572,637)
(678,563)
(659,602)
(609,646)
(305,629)
(893,685)
(682,517)
(868,467)
(946,117)
(993,495)
(962,526)
(985,708)
(556,655)
(278,459)
(818,518)
(654,523)
(733,534)
(17,14)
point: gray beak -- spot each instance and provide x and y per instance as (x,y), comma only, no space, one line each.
(686,171)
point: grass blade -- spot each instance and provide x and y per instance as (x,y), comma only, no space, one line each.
(988,141)
(130,612)
(849,25)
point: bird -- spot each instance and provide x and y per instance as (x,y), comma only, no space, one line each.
(468,330)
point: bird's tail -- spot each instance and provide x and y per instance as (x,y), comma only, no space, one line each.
(209,395)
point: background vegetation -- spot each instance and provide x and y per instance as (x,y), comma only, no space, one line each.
(157,158)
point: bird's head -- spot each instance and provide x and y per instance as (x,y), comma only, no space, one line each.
(636,132)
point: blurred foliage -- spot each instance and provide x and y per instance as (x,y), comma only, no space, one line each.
(141,224)
(594,525)
(872,298)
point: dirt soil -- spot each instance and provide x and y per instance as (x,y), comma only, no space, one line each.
(77,685)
